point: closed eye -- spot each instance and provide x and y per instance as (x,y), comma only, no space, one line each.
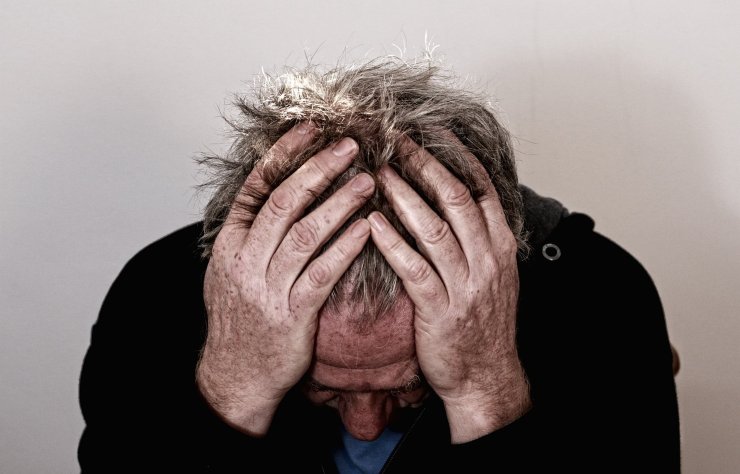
(314,386)
(409,386)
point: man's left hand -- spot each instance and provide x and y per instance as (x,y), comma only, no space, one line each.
(464,288)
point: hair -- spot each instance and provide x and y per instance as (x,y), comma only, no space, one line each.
(376,103)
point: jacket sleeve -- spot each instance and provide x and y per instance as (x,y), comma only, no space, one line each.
(596,349)
(142,409)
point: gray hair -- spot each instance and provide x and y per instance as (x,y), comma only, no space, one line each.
(376,103)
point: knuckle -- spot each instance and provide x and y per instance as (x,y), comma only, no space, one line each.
(419,271)
(280,149)
(316,180)
(319,274)
(456,194)
(397,246)
(281,202)
(321,170)
(304,235)
(255,178)
(436,231)
(342,250)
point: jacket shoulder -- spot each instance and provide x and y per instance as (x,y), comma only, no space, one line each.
(161,281)
(180,245)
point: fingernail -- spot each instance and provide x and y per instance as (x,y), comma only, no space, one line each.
(362,182)
(344,147)
(377,220)
(359,228)
(304,127)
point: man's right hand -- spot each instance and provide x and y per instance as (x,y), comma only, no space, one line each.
(262,289)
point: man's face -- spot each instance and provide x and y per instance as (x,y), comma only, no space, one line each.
(367,376)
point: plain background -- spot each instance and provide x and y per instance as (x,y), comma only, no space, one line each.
(625,110)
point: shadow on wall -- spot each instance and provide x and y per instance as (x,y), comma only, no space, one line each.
(637,153)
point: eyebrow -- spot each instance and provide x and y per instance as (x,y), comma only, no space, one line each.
(410,385)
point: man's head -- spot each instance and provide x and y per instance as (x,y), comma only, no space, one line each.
(366,374)
(365,361)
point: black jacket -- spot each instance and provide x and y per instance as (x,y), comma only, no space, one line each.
(591,335)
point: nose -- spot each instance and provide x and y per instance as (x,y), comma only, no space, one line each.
(365,414)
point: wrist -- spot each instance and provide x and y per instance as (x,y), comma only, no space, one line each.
(249,413)
(477,415)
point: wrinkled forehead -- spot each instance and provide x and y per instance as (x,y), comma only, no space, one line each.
(342,342)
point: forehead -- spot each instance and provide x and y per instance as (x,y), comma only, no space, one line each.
(378,355)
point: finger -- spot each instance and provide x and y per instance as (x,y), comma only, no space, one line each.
(421,282)
(313,287)
(489,201)
(289,200)
(490,205)
(255,190)
(453,198)
(307,235)
(433,235)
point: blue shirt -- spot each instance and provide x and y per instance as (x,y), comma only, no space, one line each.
(353,456)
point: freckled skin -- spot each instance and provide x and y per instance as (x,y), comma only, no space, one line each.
(455,323)
(464,285)
(263,304)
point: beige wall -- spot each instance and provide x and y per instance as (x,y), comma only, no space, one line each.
(626,110)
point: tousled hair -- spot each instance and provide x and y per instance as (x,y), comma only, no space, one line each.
(376,103)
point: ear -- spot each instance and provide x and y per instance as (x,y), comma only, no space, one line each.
(676,360)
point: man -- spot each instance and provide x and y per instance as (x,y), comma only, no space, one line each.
(379,294)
